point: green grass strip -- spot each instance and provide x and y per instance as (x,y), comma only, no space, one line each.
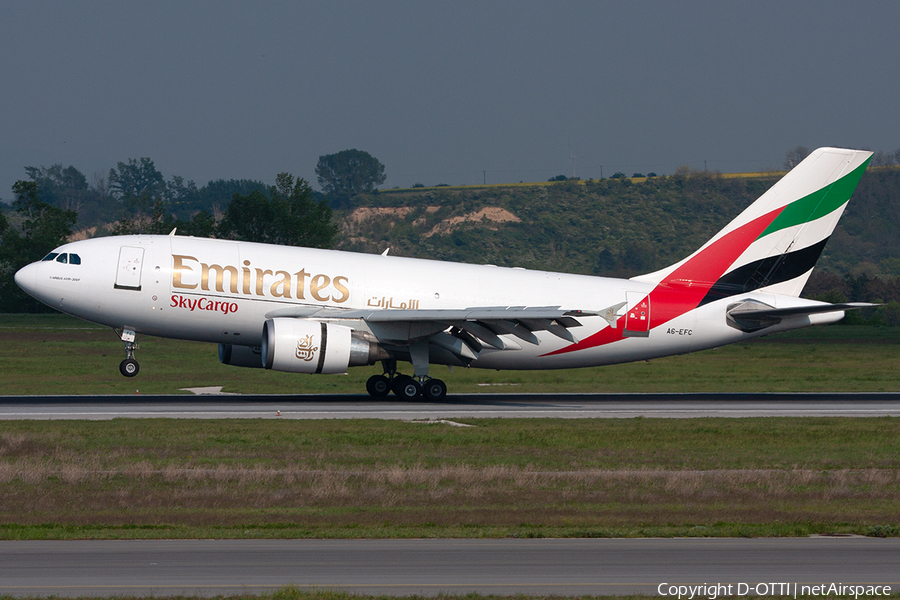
(59,355)
(155,478)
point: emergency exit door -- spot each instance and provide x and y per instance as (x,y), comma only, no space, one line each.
(128,276)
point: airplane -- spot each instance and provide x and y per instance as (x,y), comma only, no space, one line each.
(306,310)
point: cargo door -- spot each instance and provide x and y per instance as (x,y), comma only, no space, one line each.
(637,318)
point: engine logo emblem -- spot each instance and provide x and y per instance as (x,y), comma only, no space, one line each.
(305,349)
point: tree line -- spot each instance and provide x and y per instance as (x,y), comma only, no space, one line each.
(285,213)
(613,227)
(135,198)
(135,189)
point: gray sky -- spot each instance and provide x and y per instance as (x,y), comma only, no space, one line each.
(441,92)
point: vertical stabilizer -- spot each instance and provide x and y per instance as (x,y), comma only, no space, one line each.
(776,241)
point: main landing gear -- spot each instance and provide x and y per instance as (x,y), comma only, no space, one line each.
(129,367)
(404,386)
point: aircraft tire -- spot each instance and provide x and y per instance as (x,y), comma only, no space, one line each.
(378,386)
(129,367)
(434,390)
(407,388)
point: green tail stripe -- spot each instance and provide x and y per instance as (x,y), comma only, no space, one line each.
(818,204)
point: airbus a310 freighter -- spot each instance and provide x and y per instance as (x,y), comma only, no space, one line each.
(306,310)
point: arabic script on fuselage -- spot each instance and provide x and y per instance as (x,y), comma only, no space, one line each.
(384,302)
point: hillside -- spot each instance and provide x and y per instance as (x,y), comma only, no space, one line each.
(618,227)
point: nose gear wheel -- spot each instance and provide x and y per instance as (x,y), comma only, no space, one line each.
(129,367)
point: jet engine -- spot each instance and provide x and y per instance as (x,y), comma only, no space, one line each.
(240,356)
(303,346)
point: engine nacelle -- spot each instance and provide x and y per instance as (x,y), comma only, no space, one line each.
(302,346)
(240,356)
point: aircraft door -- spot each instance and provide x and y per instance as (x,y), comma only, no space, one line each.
(637,318)
(128,275)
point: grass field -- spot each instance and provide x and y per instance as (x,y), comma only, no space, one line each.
(56,354)
(161,478)
(503,477)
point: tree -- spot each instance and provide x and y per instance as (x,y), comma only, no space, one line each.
(161,222)
(157,222)
(884,159)
(139,177)
(66,188)
(250,218)
(11,297)
(44,227)
(795,156)
(215,195)
(150,204)
(136,184)
(289,216)
(347,174)
(181,196)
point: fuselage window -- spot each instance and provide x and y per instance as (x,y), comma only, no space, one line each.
(74,259)
(50,256)
(62,258)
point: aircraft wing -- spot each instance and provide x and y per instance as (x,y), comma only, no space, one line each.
(464,332)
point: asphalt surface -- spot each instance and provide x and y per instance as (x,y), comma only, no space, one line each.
(403,567)
(456,406)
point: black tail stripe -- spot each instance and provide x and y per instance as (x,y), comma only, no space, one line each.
(767,271)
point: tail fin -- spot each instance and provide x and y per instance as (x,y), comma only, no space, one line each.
(776,241)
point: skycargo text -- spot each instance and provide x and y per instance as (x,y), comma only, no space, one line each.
(190,304)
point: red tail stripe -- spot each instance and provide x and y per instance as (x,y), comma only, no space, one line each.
(684,288)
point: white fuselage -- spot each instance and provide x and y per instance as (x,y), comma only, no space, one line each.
(222,291)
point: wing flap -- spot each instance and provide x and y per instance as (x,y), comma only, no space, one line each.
(485,324)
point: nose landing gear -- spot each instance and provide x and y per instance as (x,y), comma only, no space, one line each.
(129,367)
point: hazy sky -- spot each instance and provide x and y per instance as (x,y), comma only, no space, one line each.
(442,92)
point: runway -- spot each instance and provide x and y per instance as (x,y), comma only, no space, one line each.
(569,406)
(403,567)
(425,566)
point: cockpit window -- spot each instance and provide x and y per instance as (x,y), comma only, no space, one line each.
(62,257)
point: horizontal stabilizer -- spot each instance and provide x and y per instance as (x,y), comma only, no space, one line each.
(751,315)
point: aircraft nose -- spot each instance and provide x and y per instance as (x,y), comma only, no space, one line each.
(26,278)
